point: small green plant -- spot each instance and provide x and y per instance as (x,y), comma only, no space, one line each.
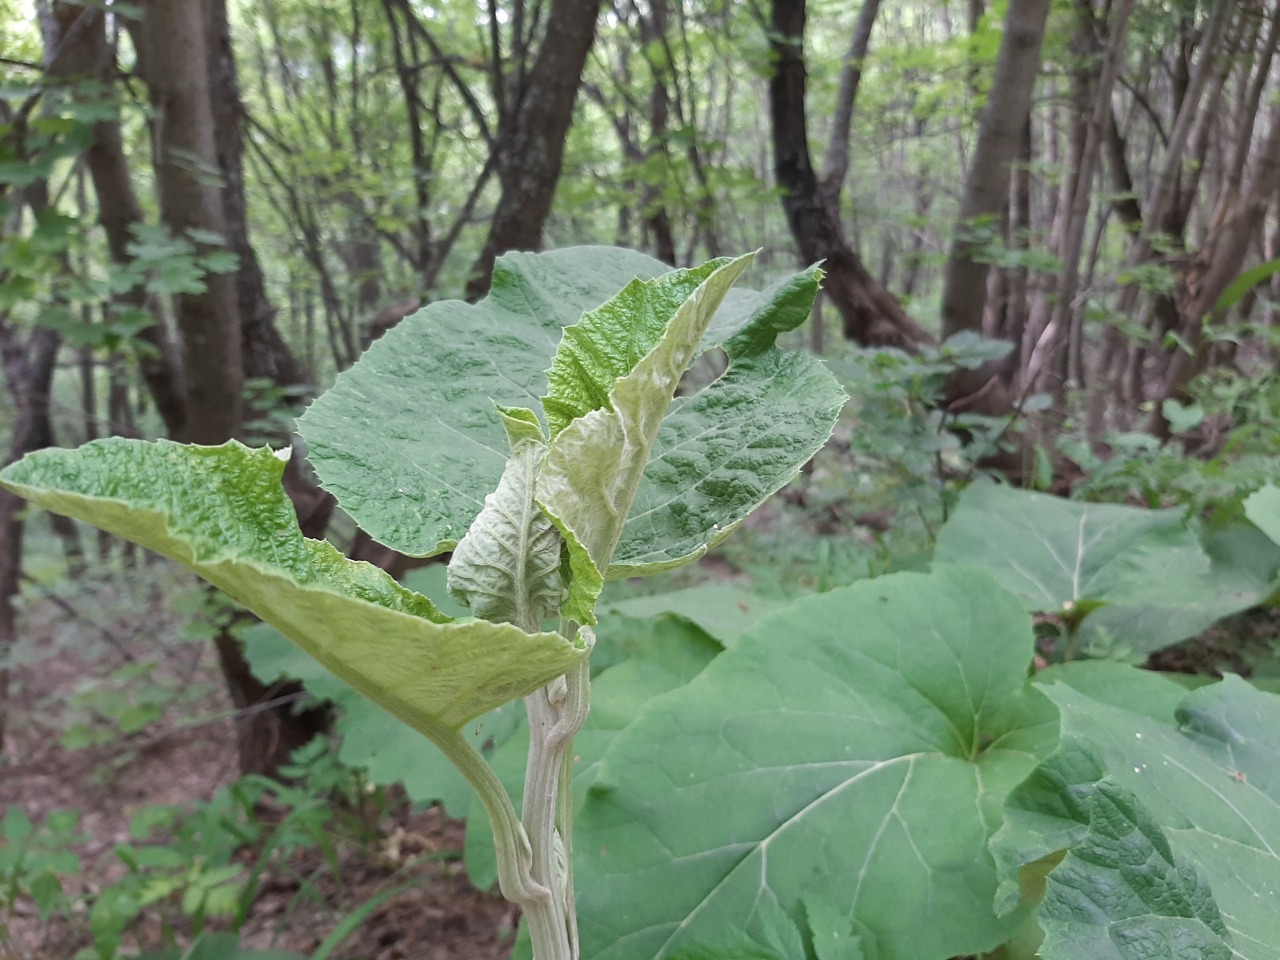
(35,859)
(191,859)
(907,452)
(596,470)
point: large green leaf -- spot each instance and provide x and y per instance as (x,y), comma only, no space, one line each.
(607,343)
(1059,554)
(408,439)
(1243,573)
(1136,580)
(723,610)
(1263,509)
(859,744)
(722,452)
(1210,779)
(222,512)
(593,469)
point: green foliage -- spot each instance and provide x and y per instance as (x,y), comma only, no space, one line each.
(122,703)
(1263,508)
(1168,826)
(871,773)
(190,859)
(222,511)
(1226,444)
(901,436)
(35,860)
(836,726)
(1091,567)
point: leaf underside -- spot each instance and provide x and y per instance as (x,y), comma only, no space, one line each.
(507,567)
(222,512)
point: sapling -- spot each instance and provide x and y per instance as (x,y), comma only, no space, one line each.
(539,437)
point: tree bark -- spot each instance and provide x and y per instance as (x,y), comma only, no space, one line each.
(986,192)
(228,330)
(835,162)
(1077,212)
(28,374)
(83,51)
(1218,263)
(265,353)
(531,141)
(173,58)
(869,313)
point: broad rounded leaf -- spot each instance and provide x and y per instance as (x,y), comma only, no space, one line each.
(860,743)
(1211,779)
(222,512)
(408,439)
(723,610)
(1140,579)
(1057,554)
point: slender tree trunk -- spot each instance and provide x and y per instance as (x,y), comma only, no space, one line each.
(1219,263)
(656,221)
(173,57)
(1047,374)
(835,163)
(869,313)
(83,51)
(264,351)
(531,146)
(986,193)
(28,375)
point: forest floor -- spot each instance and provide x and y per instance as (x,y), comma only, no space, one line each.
(61,688)
(95,655)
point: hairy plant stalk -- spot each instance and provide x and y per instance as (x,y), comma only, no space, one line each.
(556,713)
(511,843)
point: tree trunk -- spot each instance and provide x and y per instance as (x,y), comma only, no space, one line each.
(835,163)
(264,351)
(531,140)
(28,374)
(986,192)
(228,330)
(1239,221)
(173,58)
(869,313)
(83,51)
(1051,375)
